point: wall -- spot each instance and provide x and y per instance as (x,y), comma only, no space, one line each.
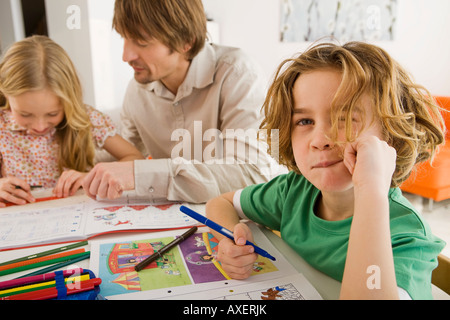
(422,44)
(11,23)
(95,48)
(109,71)
(76,41)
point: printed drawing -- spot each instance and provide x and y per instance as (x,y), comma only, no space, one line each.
(200,250)
(191,263)
(138,216)
(281,292)
(117,261)
(120,215)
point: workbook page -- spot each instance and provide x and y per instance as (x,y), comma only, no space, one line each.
(107,217)
(40,226)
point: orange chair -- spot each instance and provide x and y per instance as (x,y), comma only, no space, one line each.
(432,181)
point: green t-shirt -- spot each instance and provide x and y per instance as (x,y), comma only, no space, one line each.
(287,204)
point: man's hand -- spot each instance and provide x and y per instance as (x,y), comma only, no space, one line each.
(109,180)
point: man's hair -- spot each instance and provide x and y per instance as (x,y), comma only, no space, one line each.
(175,23)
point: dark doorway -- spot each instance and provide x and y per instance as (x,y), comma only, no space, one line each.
(34,17)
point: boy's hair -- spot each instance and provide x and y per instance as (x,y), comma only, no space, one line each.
(37,63)
(172,22)
(411,120)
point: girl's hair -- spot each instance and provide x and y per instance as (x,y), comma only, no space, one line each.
(37,63)
(173,22)
(411,121)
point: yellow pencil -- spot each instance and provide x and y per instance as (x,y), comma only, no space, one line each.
(43,284)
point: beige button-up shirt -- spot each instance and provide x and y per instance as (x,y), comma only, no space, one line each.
(197,150)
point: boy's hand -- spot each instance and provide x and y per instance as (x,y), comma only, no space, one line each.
(237,259)
(371,162)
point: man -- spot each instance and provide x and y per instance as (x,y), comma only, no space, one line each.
(192,107)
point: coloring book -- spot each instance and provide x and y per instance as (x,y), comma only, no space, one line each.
(190,270)
(80,221)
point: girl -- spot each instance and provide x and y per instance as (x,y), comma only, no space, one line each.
(351,126)
(48,136)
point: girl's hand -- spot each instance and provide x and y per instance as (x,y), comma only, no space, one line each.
(237,259)
(371,162)
(15,190)
(69,183)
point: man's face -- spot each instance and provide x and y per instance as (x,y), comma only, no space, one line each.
(152,61)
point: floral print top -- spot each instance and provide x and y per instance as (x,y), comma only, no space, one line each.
(35,158)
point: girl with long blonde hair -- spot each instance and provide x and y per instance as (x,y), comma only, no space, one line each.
(48,135)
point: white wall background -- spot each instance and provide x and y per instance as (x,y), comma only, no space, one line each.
(11,23)
(422,45)
(94,47)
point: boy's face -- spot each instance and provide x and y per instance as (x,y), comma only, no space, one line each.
(317,157)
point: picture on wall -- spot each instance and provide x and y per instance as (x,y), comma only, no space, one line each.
(344,20)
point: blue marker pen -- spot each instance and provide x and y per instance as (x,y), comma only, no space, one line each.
(227,233)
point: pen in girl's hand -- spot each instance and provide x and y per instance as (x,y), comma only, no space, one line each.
(32,187)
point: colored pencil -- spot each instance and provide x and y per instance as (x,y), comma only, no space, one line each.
(82,256)
(41,285)
(37,278)
(46,253)
(51,293)
(41,264)
(9,204)
(41,259)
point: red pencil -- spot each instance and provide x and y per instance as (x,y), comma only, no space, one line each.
(51,293)
(9,204)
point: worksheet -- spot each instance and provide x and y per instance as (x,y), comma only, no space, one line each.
(80,221)
(293,287)
(190,270)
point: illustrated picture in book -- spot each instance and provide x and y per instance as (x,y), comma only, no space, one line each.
(192,263)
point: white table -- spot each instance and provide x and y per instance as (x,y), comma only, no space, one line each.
(326,286)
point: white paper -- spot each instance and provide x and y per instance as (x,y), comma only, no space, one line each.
(217,289)
(80,221)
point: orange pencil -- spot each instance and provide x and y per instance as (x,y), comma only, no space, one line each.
(9,204)
(41,259)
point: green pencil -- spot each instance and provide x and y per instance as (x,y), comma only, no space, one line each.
(43,263)
(82,256)
(46,253)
